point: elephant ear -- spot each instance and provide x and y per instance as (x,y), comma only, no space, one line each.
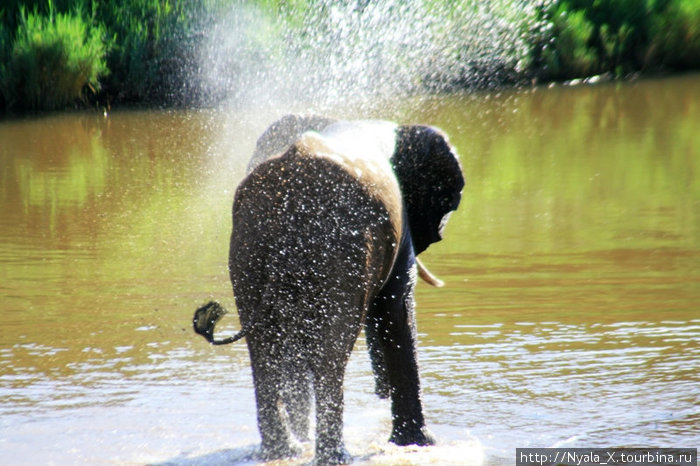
(283,133)
(431,181)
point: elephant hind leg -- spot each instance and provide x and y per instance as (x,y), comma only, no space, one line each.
(297,401)
(270,380)
(328,386)
(277,442)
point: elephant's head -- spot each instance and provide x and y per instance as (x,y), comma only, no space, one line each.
(431,181)
(424,162)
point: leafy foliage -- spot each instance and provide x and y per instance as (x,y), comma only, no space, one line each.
(156,43)
(56,52)
(52,60)
(590,37)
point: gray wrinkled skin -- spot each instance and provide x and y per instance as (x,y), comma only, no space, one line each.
(322,244)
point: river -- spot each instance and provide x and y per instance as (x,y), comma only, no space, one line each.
(570,315)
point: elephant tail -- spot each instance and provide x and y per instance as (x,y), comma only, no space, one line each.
(205,319)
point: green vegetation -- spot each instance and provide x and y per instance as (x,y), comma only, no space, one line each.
(58,53)
(156,42)
(51,60)
(62,52)
(589,37)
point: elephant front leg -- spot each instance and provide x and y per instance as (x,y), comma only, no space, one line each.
(408,422)
(382,387)
(392,334)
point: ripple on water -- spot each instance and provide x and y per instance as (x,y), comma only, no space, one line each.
(580,381)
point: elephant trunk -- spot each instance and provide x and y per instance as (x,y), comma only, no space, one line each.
(205,319)
(427,276)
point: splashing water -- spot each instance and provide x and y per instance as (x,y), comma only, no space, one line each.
(335,57)
(326,53)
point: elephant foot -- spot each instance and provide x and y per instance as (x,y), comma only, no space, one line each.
(335,456)
(279,452)
(412,436)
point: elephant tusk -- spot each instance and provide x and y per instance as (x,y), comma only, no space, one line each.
(427,276)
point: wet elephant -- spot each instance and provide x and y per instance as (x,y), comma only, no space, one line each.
(326,229)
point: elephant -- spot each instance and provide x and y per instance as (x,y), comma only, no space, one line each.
(327,227)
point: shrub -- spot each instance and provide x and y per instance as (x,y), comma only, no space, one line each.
(618,37)
(569,53)
(52,60)
(160,51)
(675,36)
(5,44)
(155,51)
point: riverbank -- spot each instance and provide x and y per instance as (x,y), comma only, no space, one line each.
(75,53)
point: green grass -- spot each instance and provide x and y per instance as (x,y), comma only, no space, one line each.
(620,37)
(135,51)
(54,53)
(52,60)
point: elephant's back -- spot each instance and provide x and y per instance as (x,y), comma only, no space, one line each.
(307,229)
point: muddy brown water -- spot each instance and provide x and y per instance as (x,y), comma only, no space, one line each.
(571,314)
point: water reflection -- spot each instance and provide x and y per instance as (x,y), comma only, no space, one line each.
(571,384)
(569,317)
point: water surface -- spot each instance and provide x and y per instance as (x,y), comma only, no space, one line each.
(570,316)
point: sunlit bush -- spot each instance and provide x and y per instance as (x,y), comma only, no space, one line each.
(156,45)
(618,37)
(52,60)
(194,52)
(675,36)
(569,53)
